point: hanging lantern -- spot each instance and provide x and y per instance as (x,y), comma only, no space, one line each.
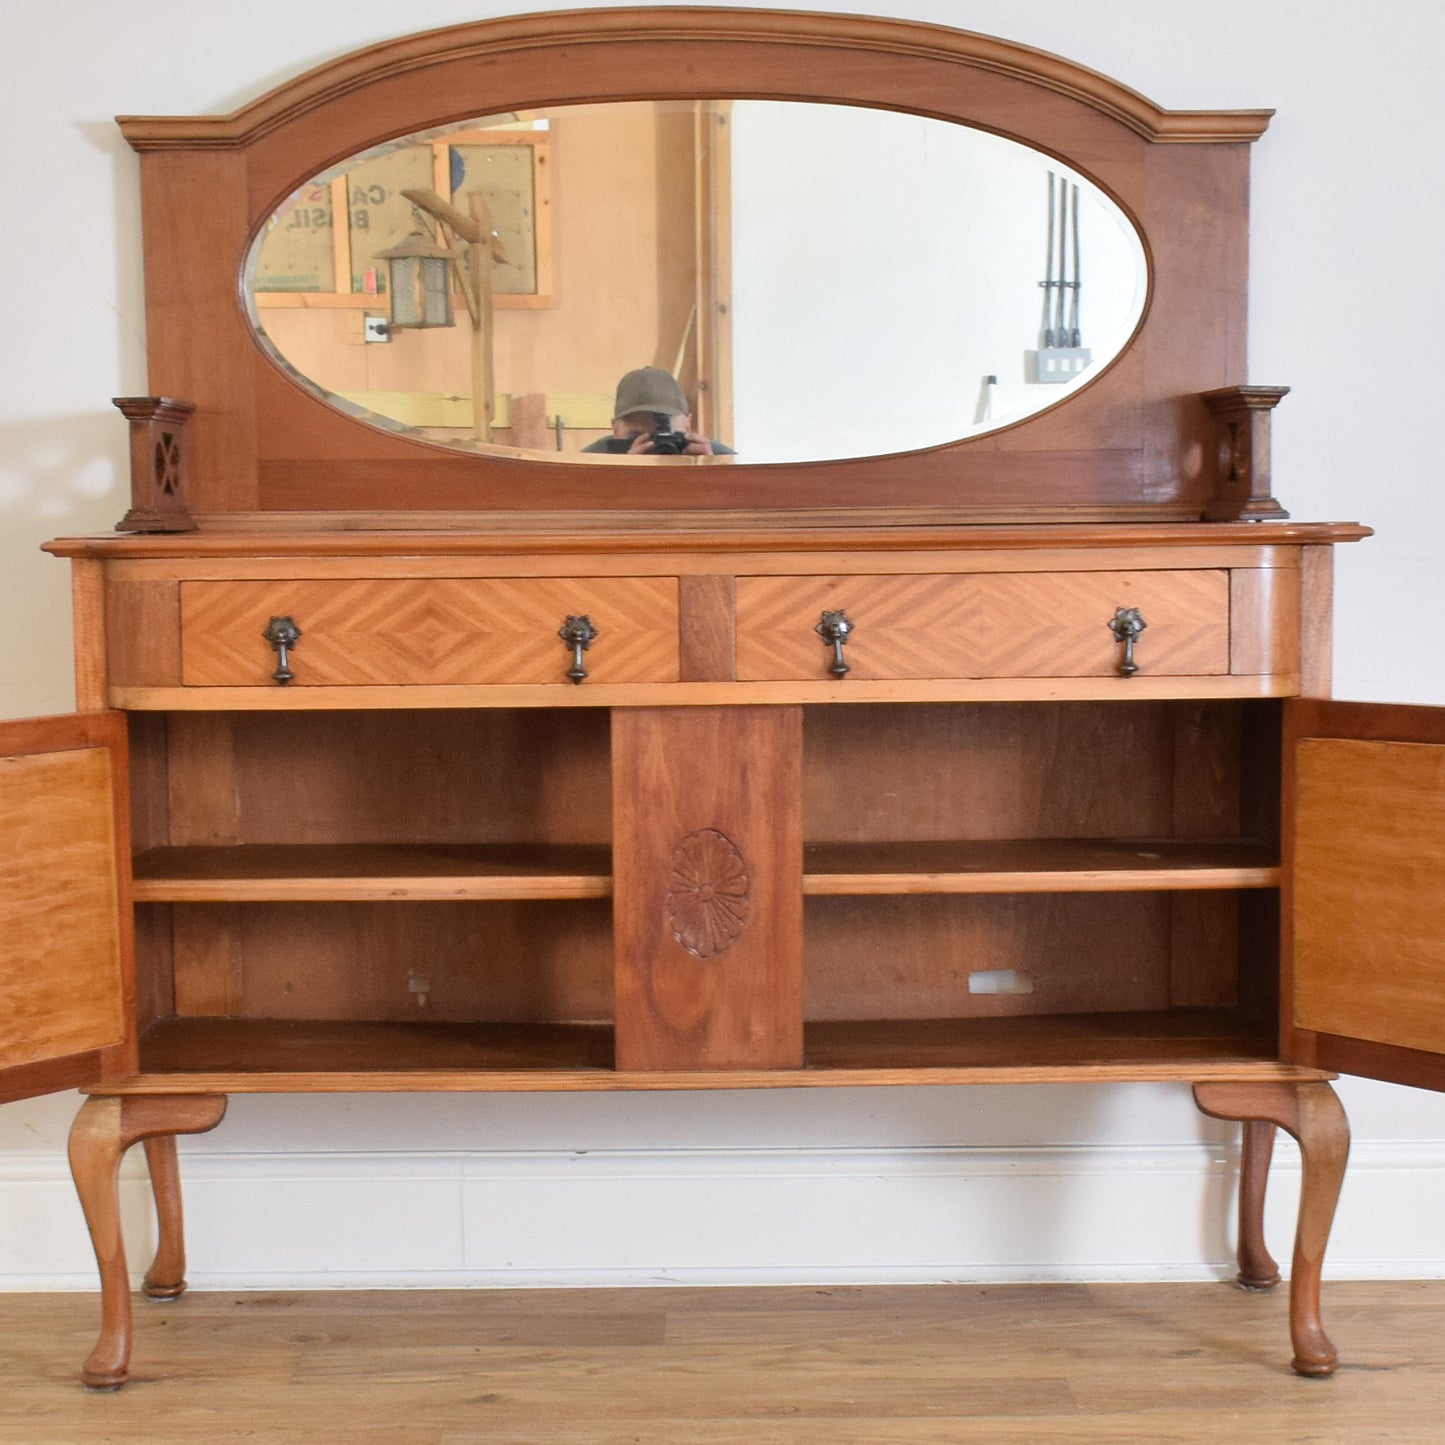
(419,282)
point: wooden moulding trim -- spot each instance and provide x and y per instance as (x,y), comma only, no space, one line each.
(695,567)
(1226,399)
(414,697)
(657,519)
(370,890)
(50,1076)
(484,39)
(885,885)
(1415,1068)
(547,1081)
(552,533)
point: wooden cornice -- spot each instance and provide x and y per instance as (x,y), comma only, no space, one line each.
(691,25)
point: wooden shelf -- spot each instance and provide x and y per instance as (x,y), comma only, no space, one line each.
(1057,1041)
(259,873)
(243,1047)
(291,1056)
(1049,865)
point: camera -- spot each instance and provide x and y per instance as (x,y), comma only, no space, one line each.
(665,441)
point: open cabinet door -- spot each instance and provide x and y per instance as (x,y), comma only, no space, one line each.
(67,964)
(1364,904)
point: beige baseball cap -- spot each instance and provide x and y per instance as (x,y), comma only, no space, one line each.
(650,388)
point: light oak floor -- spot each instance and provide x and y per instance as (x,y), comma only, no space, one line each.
(1114,1364)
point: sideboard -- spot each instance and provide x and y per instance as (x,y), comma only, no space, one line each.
(400,766)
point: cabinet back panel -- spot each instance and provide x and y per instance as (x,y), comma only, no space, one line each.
(913,957)
(155,965)
(150,828)
(1034,770)
(1259,956)
(473,776)
(149,793)
(1205,949)
(494,962)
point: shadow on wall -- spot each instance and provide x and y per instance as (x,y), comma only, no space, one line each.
(64,471)
(60,474)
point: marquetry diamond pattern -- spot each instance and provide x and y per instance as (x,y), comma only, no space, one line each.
(990,625)
(442,631)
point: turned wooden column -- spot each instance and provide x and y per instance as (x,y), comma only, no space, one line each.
(105,1127)
(1311,1113)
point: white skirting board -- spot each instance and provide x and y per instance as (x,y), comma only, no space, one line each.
(749,1216)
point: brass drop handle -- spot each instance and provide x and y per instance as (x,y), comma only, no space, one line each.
(1126,624)
(283,634)
(834,629)
(579,634)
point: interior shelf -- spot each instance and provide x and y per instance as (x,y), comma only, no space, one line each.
(1049,865)
(257,873)
(257,1054)
(284,1046)
(381,872)
(1165,1036)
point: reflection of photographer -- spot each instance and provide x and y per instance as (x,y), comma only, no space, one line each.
(650,418)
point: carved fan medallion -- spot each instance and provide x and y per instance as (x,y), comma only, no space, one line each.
(707,894)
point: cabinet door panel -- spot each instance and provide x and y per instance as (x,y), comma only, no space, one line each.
(1365,901)
(66,954)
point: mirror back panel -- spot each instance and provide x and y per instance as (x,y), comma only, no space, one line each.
(1134,441)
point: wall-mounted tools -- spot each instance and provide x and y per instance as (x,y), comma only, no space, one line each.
(1061,355)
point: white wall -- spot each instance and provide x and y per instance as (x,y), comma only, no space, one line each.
(907,1184)
(885,264)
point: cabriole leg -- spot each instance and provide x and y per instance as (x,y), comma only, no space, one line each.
(104,1129)
(1257,1268)
(1313,1116)
(166,1278)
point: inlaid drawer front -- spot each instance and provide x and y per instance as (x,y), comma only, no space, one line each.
(417,631)
(1024,624)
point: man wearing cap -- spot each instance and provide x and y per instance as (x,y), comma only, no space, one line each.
(650,417)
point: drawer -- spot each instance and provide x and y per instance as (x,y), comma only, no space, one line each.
(1007,624)
(377,631)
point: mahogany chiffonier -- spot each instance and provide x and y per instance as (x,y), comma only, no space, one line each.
(419,748)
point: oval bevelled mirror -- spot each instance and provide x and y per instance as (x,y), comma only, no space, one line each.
(823,281)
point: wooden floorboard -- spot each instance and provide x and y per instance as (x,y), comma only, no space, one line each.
(1044,1364)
